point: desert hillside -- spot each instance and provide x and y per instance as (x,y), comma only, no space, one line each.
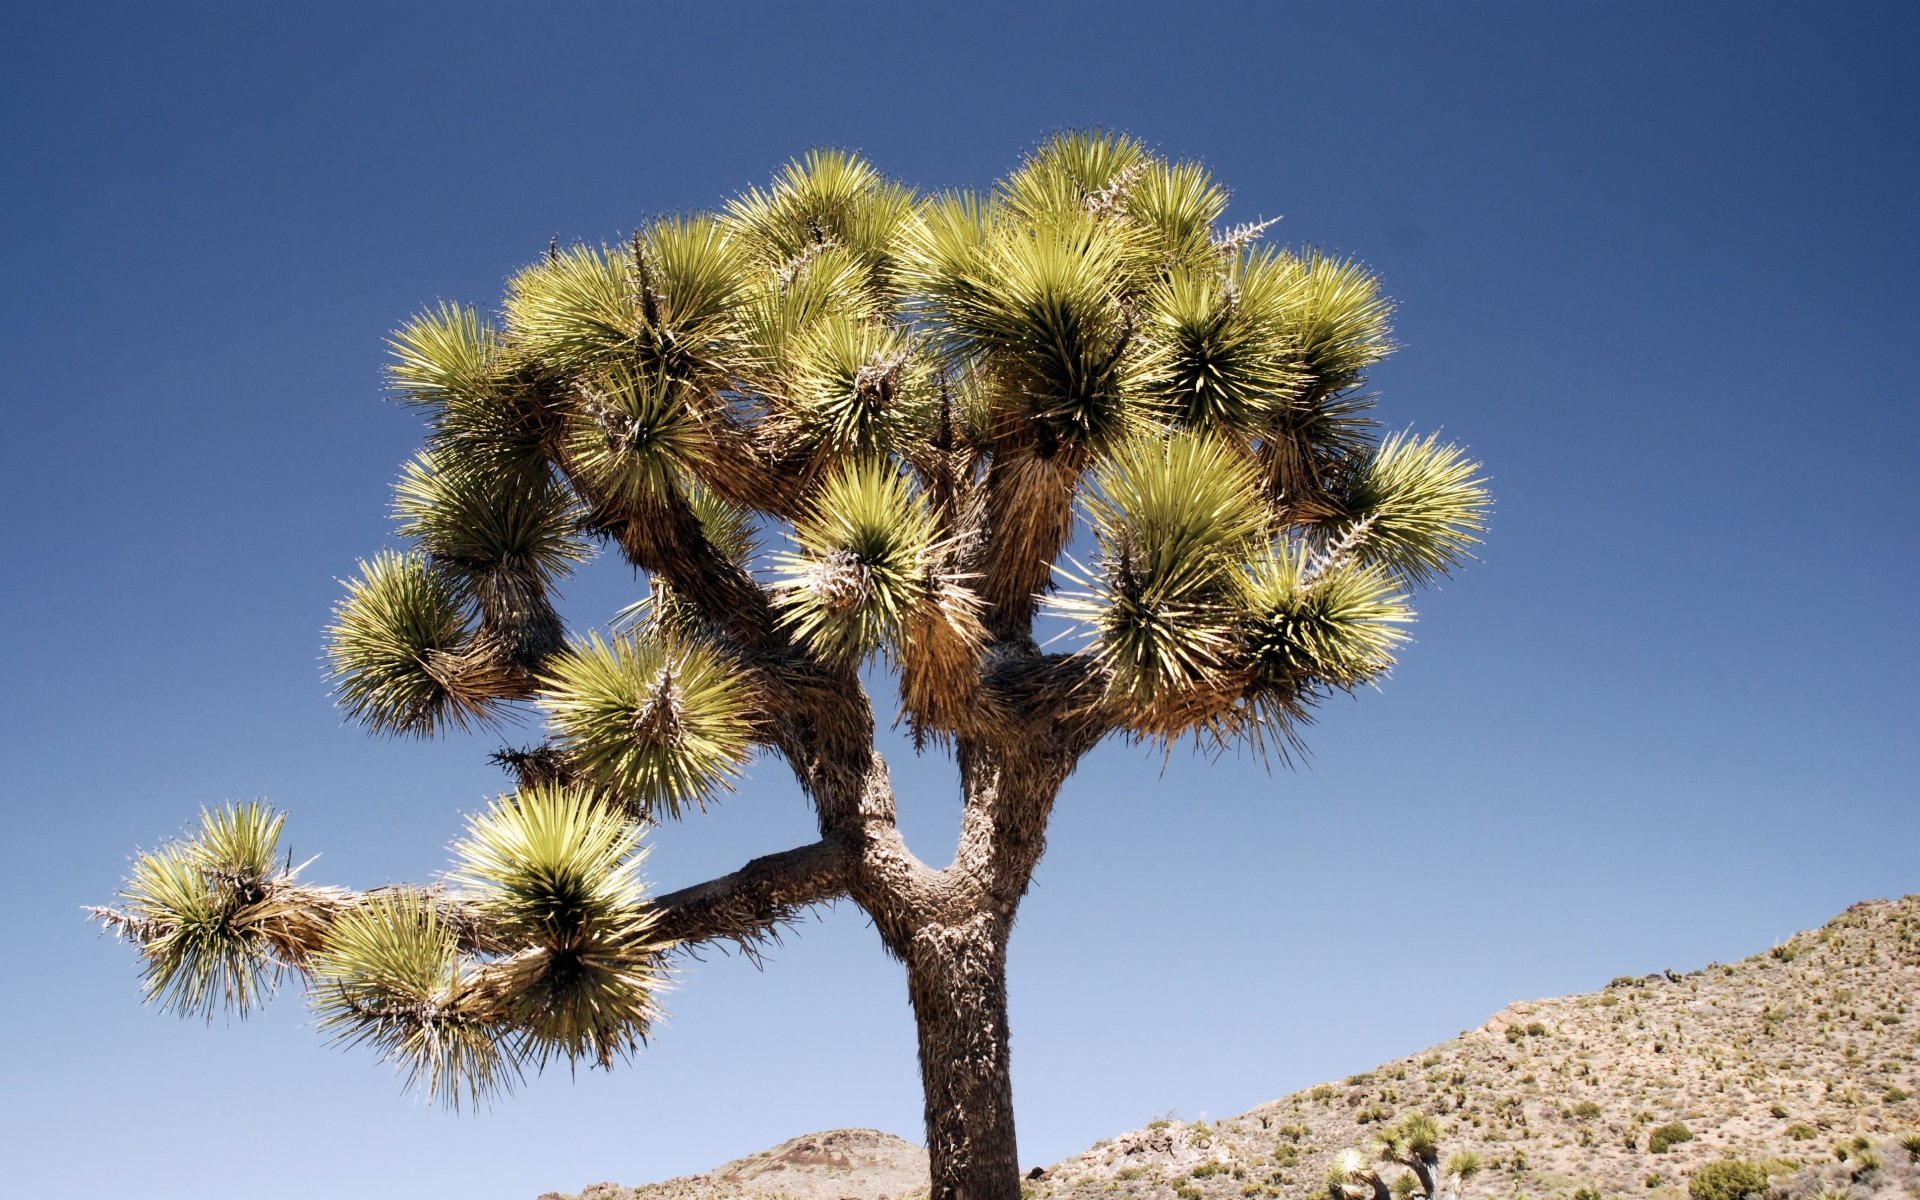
(1803,1059)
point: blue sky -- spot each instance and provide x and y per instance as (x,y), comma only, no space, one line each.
(1655,264)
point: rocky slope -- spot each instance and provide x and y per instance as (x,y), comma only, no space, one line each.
(841,1164)
(1804,1059)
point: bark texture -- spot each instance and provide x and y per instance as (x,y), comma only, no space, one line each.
(957,983)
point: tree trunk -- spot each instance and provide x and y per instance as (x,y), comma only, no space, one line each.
(957,981)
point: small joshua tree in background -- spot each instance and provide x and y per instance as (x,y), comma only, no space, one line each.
(929,397)
(1414,1143)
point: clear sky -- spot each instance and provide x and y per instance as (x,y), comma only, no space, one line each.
(1655,263)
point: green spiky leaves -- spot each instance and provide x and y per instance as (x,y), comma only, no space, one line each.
(552,876)
(1312,622)
(1224,356)
(213,916)
(1175,517)
(391,977)
(632,437)
(542,947)
(558,870)
(1417,507)
(856,388)
(483,522)
(1341,321)
(397,649)
(1202,619)
(1043,306)
(447,355)
(659,722)
(826,200)
(864,560)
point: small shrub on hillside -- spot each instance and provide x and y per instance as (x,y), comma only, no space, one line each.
(1866,1162)
(1727,1180)
(1910,1142)
(1800,1131)
(1668,1135)
(1586,1110)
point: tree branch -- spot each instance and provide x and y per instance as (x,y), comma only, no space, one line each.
(749,906)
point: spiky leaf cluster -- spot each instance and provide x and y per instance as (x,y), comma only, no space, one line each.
(557,870)
(1416,506)
(206,913)
(1174,517)
(658,721)
(864,560)
(552,876)
(488,524)
(390,976)
(1313,621)
(395,648)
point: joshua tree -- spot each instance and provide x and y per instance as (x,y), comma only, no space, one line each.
(1072,399)
(1414,1143)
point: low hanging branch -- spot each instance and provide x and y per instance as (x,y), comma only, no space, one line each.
(849,433)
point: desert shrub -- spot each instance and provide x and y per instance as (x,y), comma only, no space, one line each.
(1586,1193)
(1668,1135)
(1800,1131)
(1586,1110)
(1727,1180)
(1778,1110)
(1910,1142)
(1464,1164)
(1895,1095)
